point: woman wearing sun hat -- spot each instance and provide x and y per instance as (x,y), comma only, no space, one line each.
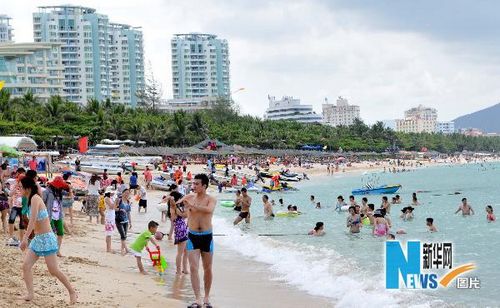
(52,197)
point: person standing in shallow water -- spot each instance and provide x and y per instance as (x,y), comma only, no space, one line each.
(246,202)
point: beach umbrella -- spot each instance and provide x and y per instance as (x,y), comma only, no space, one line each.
(9,152)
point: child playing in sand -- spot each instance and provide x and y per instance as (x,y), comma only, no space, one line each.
(490,217)
(430,225)
(142,241)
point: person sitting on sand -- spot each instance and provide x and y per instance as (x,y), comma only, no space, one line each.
(318,230)
(142,241)
(465,208)
(380,226)
(407,213)
(490,217)
(430,224)
(353,220)
(44,244)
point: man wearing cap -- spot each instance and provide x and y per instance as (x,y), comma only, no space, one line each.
(52,197)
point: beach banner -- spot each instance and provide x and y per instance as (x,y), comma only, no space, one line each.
(83,144)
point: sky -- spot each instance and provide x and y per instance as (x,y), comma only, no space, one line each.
(385,56)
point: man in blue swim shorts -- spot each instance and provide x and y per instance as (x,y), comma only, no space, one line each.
(200,207)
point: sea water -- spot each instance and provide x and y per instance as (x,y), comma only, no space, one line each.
(350,269)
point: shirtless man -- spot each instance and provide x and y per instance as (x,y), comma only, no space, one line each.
(268,208)
(246,201)
(387,207)
(200,207)
(465,208)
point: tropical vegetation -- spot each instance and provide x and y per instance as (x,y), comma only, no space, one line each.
(58,123)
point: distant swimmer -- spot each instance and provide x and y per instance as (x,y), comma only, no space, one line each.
(414,200)
(246,201)
(430,225)
(465,208)
(313,202)
(353,221)
(318,230)
(407,213)
(490,217)
(268,208)
(340,203)
(318,205)
(380,226)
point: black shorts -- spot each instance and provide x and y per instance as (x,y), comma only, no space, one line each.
(143,203)
(237,208)
(134,186)
(244,214)
(14,212)
(200,240)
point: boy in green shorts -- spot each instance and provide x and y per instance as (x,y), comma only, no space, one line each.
(142,241)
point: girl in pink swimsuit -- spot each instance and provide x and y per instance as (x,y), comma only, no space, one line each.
(380,225)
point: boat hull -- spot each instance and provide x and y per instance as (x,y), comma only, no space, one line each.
(381,190)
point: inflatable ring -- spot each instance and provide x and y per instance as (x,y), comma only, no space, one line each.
(286,214)
(227,203)
(366,221)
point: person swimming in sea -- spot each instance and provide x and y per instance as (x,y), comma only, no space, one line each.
(340,203)
(407,213)
(465,208)
(353,220)
(318,230)
(380,226)
(490,217)
(430,224)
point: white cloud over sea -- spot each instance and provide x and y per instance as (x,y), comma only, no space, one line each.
(383,58)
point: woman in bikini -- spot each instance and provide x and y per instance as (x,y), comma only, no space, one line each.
(44,244)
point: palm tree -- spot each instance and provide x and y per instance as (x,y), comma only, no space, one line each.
(93,106)
(54,107)
(198,126)
(136,131)
(115,127)
(179,127)
(29,100)
(5,103)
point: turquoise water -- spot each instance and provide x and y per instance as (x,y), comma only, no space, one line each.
(347,267)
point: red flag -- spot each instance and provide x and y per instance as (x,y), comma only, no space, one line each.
(83,144)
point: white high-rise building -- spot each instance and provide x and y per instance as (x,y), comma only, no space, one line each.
(200,66)
(33,67)
(6,30)
(340,114)
(289,108)
(418,120)
(101,60)
(447,127)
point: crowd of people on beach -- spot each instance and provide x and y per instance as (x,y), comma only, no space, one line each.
(40,206)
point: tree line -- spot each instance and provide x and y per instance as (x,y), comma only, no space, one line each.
(65,121)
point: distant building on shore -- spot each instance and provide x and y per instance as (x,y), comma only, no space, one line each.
(6,30)
(472,132)
(445,128)
(187,104)
(200,66)
(34,67)
(418,120)
(289,108)
(340,114)
(101,60)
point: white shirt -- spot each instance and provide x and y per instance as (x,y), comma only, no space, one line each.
(94,189)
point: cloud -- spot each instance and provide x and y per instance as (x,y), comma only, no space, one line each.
(318,49)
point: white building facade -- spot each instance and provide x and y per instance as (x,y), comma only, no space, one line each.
(340,114)
(445,127)
(289,108)
(200,66)
(34,67)
(89,47)
(6,30)
(188,105)
(418,120)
